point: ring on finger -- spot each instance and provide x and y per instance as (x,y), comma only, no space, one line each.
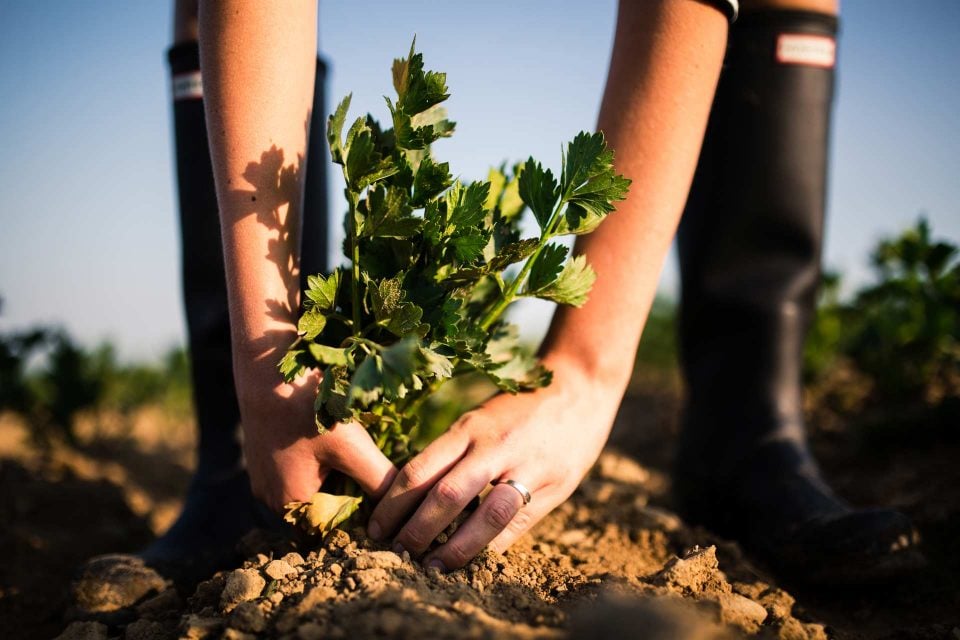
(521,489)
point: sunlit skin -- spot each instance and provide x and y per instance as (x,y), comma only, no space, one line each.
(258,79)
(258,73)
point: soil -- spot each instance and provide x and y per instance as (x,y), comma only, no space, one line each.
(612,562)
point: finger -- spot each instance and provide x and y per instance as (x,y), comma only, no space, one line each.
(352,451)
(444,502)
(541,504)
(495,514)
(413,481)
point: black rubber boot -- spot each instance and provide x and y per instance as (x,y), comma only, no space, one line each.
(219,507)
(750,242)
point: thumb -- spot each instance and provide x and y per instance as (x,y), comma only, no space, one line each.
(353,452)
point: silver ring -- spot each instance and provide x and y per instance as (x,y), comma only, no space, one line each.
(524,492)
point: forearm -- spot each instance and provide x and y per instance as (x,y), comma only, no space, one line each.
(258,71)
(663,73)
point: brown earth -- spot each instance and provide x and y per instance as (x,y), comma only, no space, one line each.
(613,562)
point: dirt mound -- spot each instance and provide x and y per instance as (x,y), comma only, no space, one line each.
(601,564)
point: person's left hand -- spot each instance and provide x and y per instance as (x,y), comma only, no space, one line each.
(546,440)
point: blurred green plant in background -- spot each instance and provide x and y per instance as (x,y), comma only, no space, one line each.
(901,332)
(50,381)
(893,344)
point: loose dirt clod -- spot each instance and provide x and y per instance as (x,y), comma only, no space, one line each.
(113,582)
(144,629)
(241,585)
(600,574)
(278,569)
(84,631)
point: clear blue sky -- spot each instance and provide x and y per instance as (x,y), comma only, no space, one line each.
(89,241)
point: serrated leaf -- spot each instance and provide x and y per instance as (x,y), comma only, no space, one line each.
(431,179)
(405,320)
(465,204)
(590,184)
(323,513)
(327,355)
(321,291)
(311,324)
(512,253)
(292,364)
(417,90)
(539,190)
(468,246)
(402,358)
(332,404)
(435,364)
(582,153)
(573,284)
(366,383)
(436,118)
(388,214)
(335,129)
(365,164)
(546,268)
(384,297)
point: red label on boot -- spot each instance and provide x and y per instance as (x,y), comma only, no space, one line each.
(802,48)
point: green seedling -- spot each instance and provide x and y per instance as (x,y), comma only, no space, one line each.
(432,264)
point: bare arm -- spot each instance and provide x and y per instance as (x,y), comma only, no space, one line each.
(663,74)
(258,63)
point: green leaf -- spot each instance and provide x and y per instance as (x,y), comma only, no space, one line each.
(405,320)
(430,181)
(538,189)
(366,383)
(402,358)
(321,291)
(332,404)
(323,513)
(417,90)
(326,355)
(437,365)
(385,297)
(582,153)
(590,184)
(509,365)
(365,164)
(468,246)
(512,253)
(387,214)
(335,129)
(465,205)
(546,268)
(292,364)
(311,324)
(573,284)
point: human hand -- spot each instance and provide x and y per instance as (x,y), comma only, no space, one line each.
(288,460)
(546,439)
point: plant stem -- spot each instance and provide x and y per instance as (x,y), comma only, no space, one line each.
(355,262)
(511,293)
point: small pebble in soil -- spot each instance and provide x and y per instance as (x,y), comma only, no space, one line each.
(278,569)
(293,558)
(247,616)
(242,585)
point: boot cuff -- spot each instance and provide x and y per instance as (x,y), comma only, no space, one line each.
(184,57)
(788,20)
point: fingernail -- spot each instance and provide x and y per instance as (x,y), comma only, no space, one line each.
(374,531)
(398,548)
(435,563)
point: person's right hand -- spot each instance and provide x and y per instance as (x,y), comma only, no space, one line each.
(287,458)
